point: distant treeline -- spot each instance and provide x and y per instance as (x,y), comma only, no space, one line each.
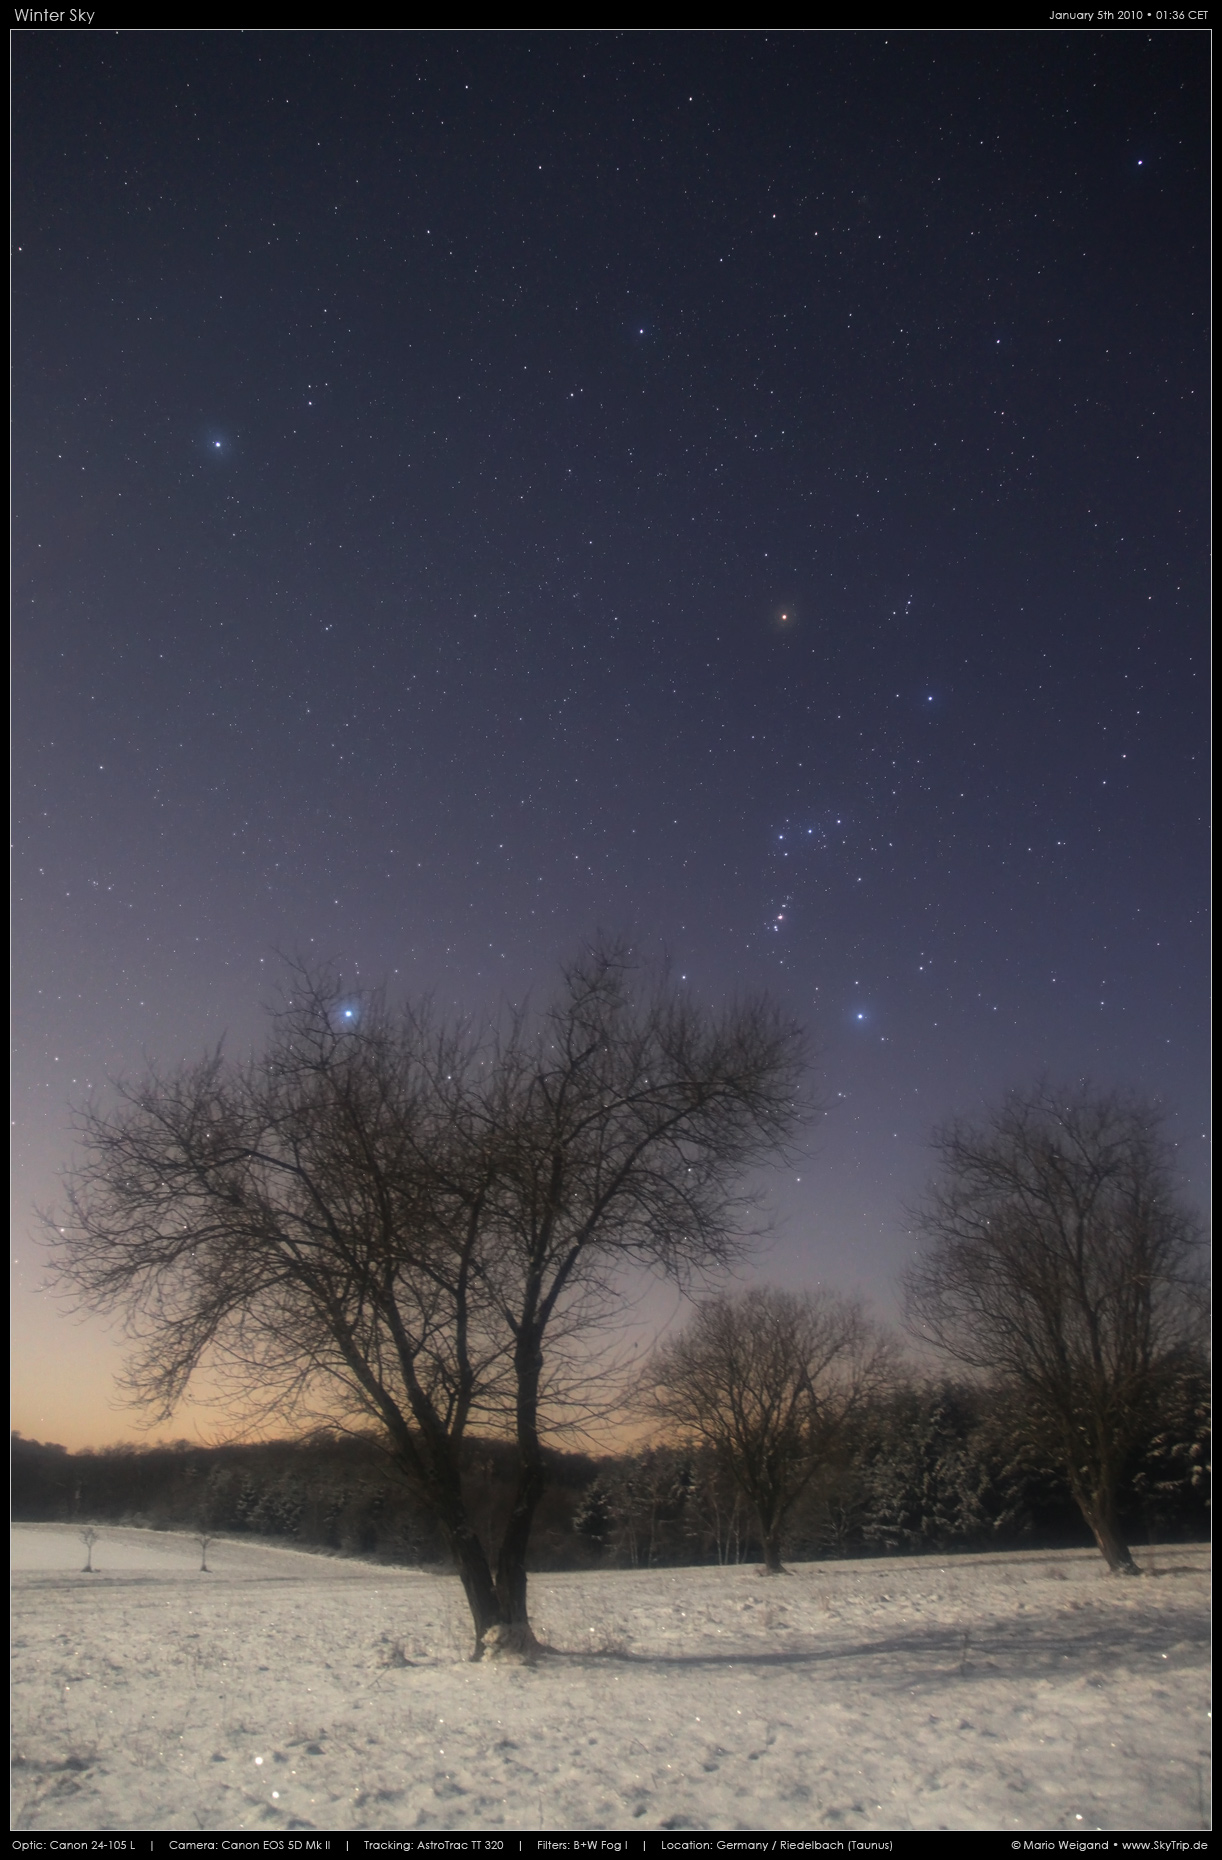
(936,1468)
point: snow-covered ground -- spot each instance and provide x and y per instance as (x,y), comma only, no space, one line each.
(284,1690)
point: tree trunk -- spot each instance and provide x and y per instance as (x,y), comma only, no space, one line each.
(770,1537)
(1099,1510)
(478,1586)
(511,1559)
(438,1483)
(1106,1533)
(517,1636)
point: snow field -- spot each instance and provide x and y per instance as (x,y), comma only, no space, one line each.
(285,1690)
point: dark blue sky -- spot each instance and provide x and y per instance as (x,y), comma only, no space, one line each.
(746,491)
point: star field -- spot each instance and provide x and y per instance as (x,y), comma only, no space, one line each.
(746,492)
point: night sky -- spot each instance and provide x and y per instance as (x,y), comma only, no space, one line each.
(746,492)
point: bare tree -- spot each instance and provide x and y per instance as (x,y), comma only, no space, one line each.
(771,1381)
(422,1228)
(88,1537)
(1062,1262)
(203,1538)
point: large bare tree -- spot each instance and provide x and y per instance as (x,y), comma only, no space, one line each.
(1062,1262)
(771,1381)
(422,1226)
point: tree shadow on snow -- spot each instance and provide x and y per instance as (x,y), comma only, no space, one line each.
(965,1650)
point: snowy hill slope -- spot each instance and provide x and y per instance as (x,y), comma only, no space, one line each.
(284,1690)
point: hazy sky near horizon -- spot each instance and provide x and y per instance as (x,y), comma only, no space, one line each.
(744,491)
